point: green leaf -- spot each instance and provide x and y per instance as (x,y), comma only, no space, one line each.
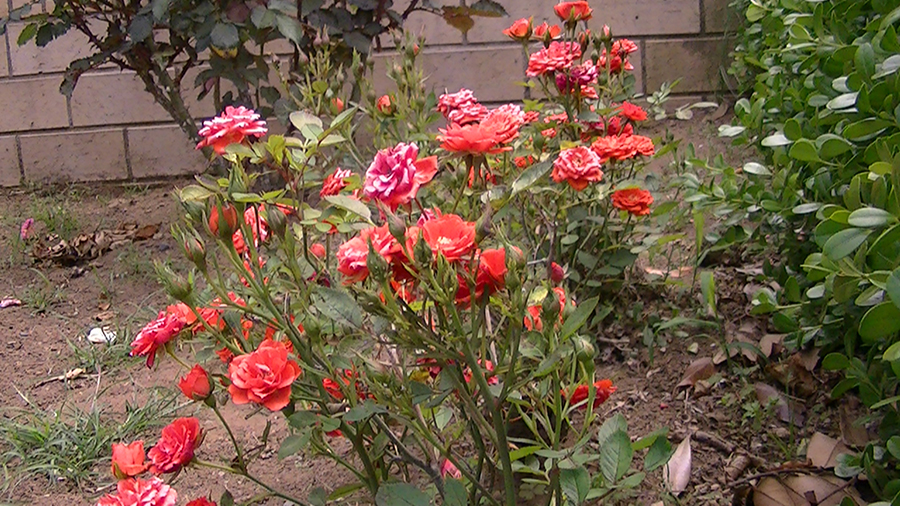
(352,205)
(345,490)
(892,354)
(831,145)
(792,130)
(842,101)
(775,140)
(805,151)
(400,494)
(225,36)
(862,130)
(194,193)
(892,287)
(226,499)
(289,27)
(870,217)
(708,289)
(140,28)
(611,425)
(302,118)
(730,130)
(660,452)
(292,445)
(342,118)
(844,242)
(317,497)
(362,411)
(879,321)
(865,59)
(577,319)
(757,169)
(616,456)
(806,208)
(527,178)
(835,362)
(159,8)
(455,493)
(575,483)
(338,306)
(488,9)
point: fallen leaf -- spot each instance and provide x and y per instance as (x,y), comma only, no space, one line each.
(9,302)
(851,433)
(700,369)
(771,343)
(681,272)
(803,490)
(746,336)
(146,232)
(677,472)
(823,451)
(736,466)
(693,348)
(808,358)
(103,306)
(786,411)
(105,315)
(793,374)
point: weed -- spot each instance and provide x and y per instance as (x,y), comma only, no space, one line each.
(56,214)
(42,294)
(133,261)
(70,444)
(100,358)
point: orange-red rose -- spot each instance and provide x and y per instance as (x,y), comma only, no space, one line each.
(156,334)
(450,235)
(201,501)
(634,200)
(573,11)
(128,460)
(577,166)
(633,112)
(195,384)
(520,29)
(546,33)
(385,105)
(533,318)
(229,215)
(176,445)
(263,376)
(558,56)
(335,182)
(603,387)
(352,254)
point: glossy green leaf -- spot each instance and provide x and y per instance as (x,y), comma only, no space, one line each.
(757,169)
(879,321)
(805,151)
(892,287)
(351,204)
(578,318)
(844,242)
(870,217)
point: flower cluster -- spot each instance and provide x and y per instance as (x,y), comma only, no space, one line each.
(489,134)
(174,450)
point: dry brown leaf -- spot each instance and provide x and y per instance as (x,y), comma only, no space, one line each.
(785,410)
(771,343)
(823,451)
(736,466)
(103,306)
(105,315)
(146,232)
(793,374)
(803,490)
(851,433)
(808,358)
(681,272)
(700,369)
(677,472)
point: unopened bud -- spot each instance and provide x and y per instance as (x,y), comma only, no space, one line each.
(223,220)
(550,308)
(195,251)
(483,225)
(422,253)
(277,220)
(397,227)
(176,286)
(377,265)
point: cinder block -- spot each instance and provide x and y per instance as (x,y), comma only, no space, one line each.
(9,162)
(720,17)
(160,151)
(32,103)
(97,155)
(4,7)
(648,17)
(697,62)
(55,57)
(114,98)
(490,71)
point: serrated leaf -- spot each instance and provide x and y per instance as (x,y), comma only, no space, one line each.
(291,445)
(338,306)
(530,176)
(658,455)
(352,205)
(578,318)
(400,494)
(225,36)
(575,484)
(616,456)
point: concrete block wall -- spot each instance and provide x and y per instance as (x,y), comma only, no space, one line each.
(112,130)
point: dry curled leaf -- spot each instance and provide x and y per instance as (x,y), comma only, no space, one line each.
(736,466)
(771,344)
(852,433)
(803,490)
(794,375)
(823,451)
(700,369)
(786,410)
(677,472)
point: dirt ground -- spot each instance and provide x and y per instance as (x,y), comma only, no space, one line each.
(38,345)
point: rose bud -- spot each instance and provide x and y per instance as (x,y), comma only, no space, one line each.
(557,274)
(377,265)
(385,105)
(223,221)
(195,385)
(194,249)
(277,220)
(318,250)
(337,105)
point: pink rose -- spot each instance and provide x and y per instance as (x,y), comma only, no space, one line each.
(395,175)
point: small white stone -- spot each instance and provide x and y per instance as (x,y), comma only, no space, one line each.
(101,336)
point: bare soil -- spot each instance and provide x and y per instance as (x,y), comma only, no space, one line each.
(36,346)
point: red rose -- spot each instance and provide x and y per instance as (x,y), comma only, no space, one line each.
(520,29)
(577,166)
(533,318)
(558,56)
(546,33)
(318,250)
(557,274)
(604,389)
(337,105)
(351,256)
(128,460)
(634,200)
(231,127)
(633,112)
(201,501)
(335,182)
(384,105)
(461,107)
(155,334)
(263,376)
(176,445)
(334,388)
(450,236)
(448,469)
(573,11)
(491,270)
(195,385)
(137,492)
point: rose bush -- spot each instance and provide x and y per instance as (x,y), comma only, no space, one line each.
(431,305)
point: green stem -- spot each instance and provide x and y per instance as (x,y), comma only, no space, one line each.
(237,447)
